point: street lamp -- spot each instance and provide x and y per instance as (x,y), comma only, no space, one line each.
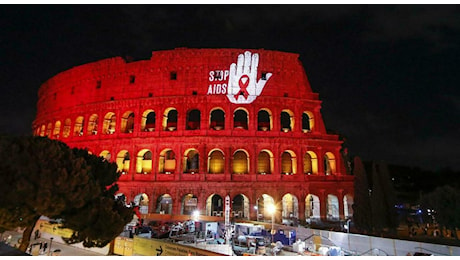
(271,209)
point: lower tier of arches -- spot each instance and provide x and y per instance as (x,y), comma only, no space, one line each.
(262,201)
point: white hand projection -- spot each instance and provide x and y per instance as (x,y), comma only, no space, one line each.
(243,87)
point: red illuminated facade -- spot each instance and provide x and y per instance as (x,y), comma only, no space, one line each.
(191,126)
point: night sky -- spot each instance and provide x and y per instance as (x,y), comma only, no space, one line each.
(387,74)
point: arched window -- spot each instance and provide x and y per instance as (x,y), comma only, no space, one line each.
(240,119)
(66,129)
(240,162)
(144,162)
(167,163)
(287,122)
(329,163)
(170,119)
(92,124)
(78,128)
(310,163)
(265,163)
(57,129)
(193,119)
(191,161)
(288,163)
(123,162)
(106,155)
(307,121)
(110,121)
(264,121)
(127,122)
(217,119)
(148,121)
(216,162)
(42,130)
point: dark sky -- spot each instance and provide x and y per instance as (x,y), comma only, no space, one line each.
(387,74)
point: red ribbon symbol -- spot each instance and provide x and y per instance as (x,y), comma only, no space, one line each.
(243,87)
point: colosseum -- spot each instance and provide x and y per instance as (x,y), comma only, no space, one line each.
(209,130)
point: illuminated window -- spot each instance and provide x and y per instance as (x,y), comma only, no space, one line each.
(288,163)
(167,163)
(127,122)
(148,121)
(78,128)
(216,162)
(191,161)
(92,124)
(307,121)
(144,162)
(170,119)
(240,162)
(109,123)
(66,129)
(265,163)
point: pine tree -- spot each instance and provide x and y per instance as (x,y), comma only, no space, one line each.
(362,217)
(45,177)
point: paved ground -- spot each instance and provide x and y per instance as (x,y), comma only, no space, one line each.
(63,249)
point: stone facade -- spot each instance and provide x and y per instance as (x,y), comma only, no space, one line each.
(190,126)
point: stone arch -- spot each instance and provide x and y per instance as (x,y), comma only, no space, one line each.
(264,120)
(348,206)
(148,121)
(167,162)
(57,129)
(333,212)
(329,163)
(123,161)
(308,121)
(189,204)
(241,118)
(240,206)
(127,122)
(170,119)
(78,128)
(110,121)
(215,205)
(265,203)
(287,120)
(216,161)
(106,155)
(288,163)
(66,129)
(240,162)
(92,124)
(217,119)
(164,204)
(142,201)
(42,130)
(265,162)
(312,207)
(193,119)
(190,162)
(290,205)
(310,163)
(144,161)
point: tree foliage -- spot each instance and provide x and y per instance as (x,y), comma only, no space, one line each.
(383,199)
(445,201)
(45,177)
(362,217)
